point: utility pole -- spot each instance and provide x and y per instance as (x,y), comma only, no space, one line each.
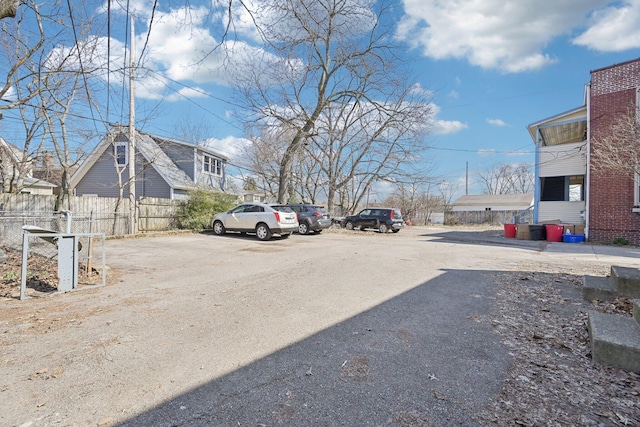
(132,138)
(467,180)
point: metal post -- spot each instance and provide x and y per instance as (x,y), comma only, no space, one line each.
(23,278)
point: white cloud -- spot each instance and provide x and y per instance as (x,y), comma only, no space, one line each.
(614,28)
(445,127)
(484,152)
(518,153)
(230,146)
(508,35)
(184,52)
(496,122)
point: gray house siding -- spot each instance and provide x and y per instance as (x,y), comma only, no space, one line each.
(151,184)
(102,178)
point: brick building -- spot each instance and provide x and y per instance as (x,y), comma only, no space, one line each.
(612,196)
(569,188)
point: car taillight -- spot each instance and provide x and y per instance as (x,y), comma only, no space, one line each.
(277,214)
(317,214)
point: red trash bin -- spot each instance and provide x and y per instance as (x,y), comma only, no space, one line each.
(510,231)
(554,232)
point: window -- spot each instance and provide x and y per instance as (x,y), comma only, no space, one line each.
(636,196)
(562,188)
(552,189)
(576,188)
(121,152)
(212,165)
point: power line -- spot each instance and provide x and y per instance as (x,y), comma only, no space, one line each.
(84,76)
(153,12)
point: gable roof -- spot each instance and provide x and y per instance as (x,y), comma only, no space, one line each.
(497,202)
(149,146)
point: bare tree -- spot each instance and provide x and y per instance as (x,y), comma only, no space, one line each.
(23,45)
(262,157)
(447,192)
(21,41)
(506,178)
(319,54)
(417,199)
(619,149)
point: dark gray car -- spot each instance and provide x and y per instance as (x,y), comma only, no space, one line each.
(311,217)
(383,219)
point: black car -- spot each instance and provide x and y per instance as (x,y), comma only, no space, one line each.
(382,219)
(311,217)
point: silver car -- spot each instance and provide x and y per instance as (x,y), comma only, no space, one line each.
(260,218)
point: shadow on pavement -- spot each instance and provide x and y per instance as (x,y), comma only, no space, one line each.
(417,359)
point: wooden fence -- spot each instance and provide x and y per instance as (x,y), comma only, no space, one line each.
(93,214)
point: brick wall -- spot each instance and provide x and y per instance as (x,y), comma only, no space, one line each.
(613,91)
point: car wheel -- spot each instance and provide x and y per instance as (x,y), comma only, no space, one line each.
(218,228)
(263,232)
(303,228)
(383,228)
(349,225)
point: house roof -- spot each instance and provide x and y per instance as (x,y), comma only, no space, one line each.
(570,126)
(14,151)
(200,147)
(30,182)
(173,175)
(148,145)
(497,202)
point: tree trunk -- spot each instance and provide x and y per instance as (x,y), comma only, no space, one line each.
(8,8)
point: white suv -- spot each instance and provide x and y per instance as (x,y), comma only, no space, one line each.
(259,218)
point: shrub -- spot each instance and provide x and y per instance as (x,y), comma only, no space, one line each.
(198,210)
(620,241)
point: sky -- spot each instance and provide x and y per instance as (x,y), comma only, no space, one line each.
(493,66)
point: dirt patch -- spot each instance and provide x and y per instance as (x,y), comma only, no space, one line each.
(42,275)
(41,316)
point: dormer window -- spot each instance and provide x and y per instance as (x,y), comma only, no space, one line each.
(212,165)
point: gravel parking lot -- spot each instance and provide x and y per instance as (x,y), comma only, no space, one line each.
(339,328)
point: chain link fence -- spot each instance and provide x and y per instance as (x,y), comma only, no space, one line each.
(11,224)
(42,263)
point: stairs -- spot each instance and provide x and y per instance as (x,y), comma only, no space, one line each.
(624,282)
(615,339)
